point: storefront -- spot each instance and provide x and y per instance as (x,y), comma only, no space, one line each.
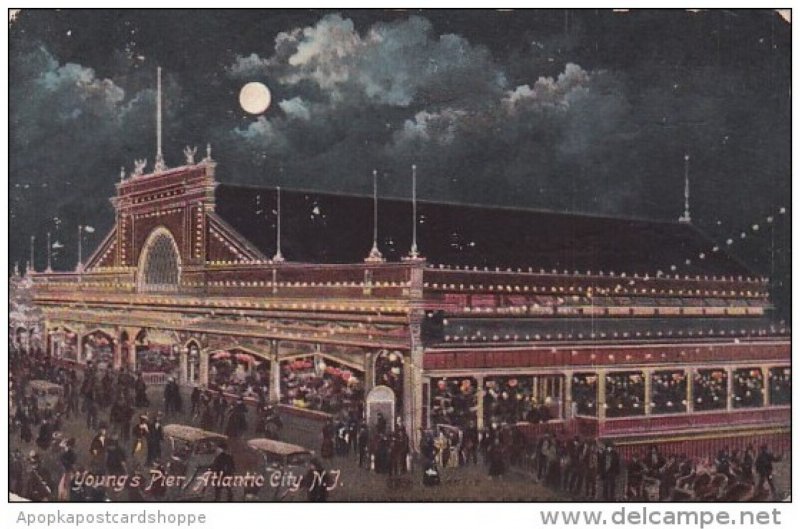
(156,352)
(63,344)
(319,383)
(98,348)
(236,371)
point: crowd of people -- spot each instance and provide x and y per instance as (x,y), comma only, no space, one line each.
(128,438)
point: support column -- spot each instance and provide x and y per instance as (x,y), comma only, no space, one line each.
(729,372)
(567,395)
(409,392)
(183,366)
(274,373)
(480,393)
(203,367)
(415,362)
(648,390)
(601,394)
(369,371)
(117,360)
(765,379)
(690,390)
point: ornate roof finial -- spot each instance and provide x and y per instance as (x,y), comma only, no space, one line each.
(138,167)
(122,173)
(159,165)
(686,217)
(208,157)
(189,153)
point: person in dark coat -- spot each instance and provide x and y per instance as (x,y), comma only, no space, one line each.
(636,472)
(195,400)
(45,436)
(140,392)
(400,450)
(328,433)
(154,438)
(315,482)
(748,463)
(25,432)
(380,424)
(363,445)
(97,449)
(609,471)
(764,469)
(494,456)
(38,487)
(223,465)
(220,409)
(115,458)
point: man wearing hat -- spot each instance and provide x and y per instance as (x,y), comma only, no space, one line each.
(68,458)
(38,483)
(115,458)
(609,471)
(222,466)
(154,438)
(140,434)
(97,449)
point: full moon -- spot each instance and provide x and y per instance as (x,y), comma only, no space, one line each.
(255,98)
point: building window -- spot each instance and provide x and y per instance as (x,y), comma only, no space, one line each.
(710,389)
(625,394)
(160,268)
(780,386)
(668,392)
(584,394)
(748,388)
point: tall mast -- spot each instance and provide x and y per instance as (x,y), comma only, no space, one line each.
(414,253)
(49,261)
(686,217)
(33,263)
(79,267)
(278,258)
(374,253)
(160,165)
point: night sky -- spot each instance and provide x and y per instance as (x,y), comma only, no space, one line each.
(569,110)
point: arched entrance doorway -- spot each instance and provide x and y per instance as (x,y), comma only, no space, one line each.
(381,402)
(389,372)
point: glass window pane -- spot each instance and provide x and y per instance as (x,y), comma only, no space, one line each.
(668,391)
(710,389)
(780,386)
(748,388)
(625,394)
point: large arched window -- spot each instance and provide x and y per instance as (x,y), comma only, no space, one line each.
(159,265)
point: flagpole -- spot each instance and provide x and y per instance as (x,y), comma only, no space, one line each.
(49,261)
(79,267)
(374,253)
(414,253)
(278,257)
(33,265)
